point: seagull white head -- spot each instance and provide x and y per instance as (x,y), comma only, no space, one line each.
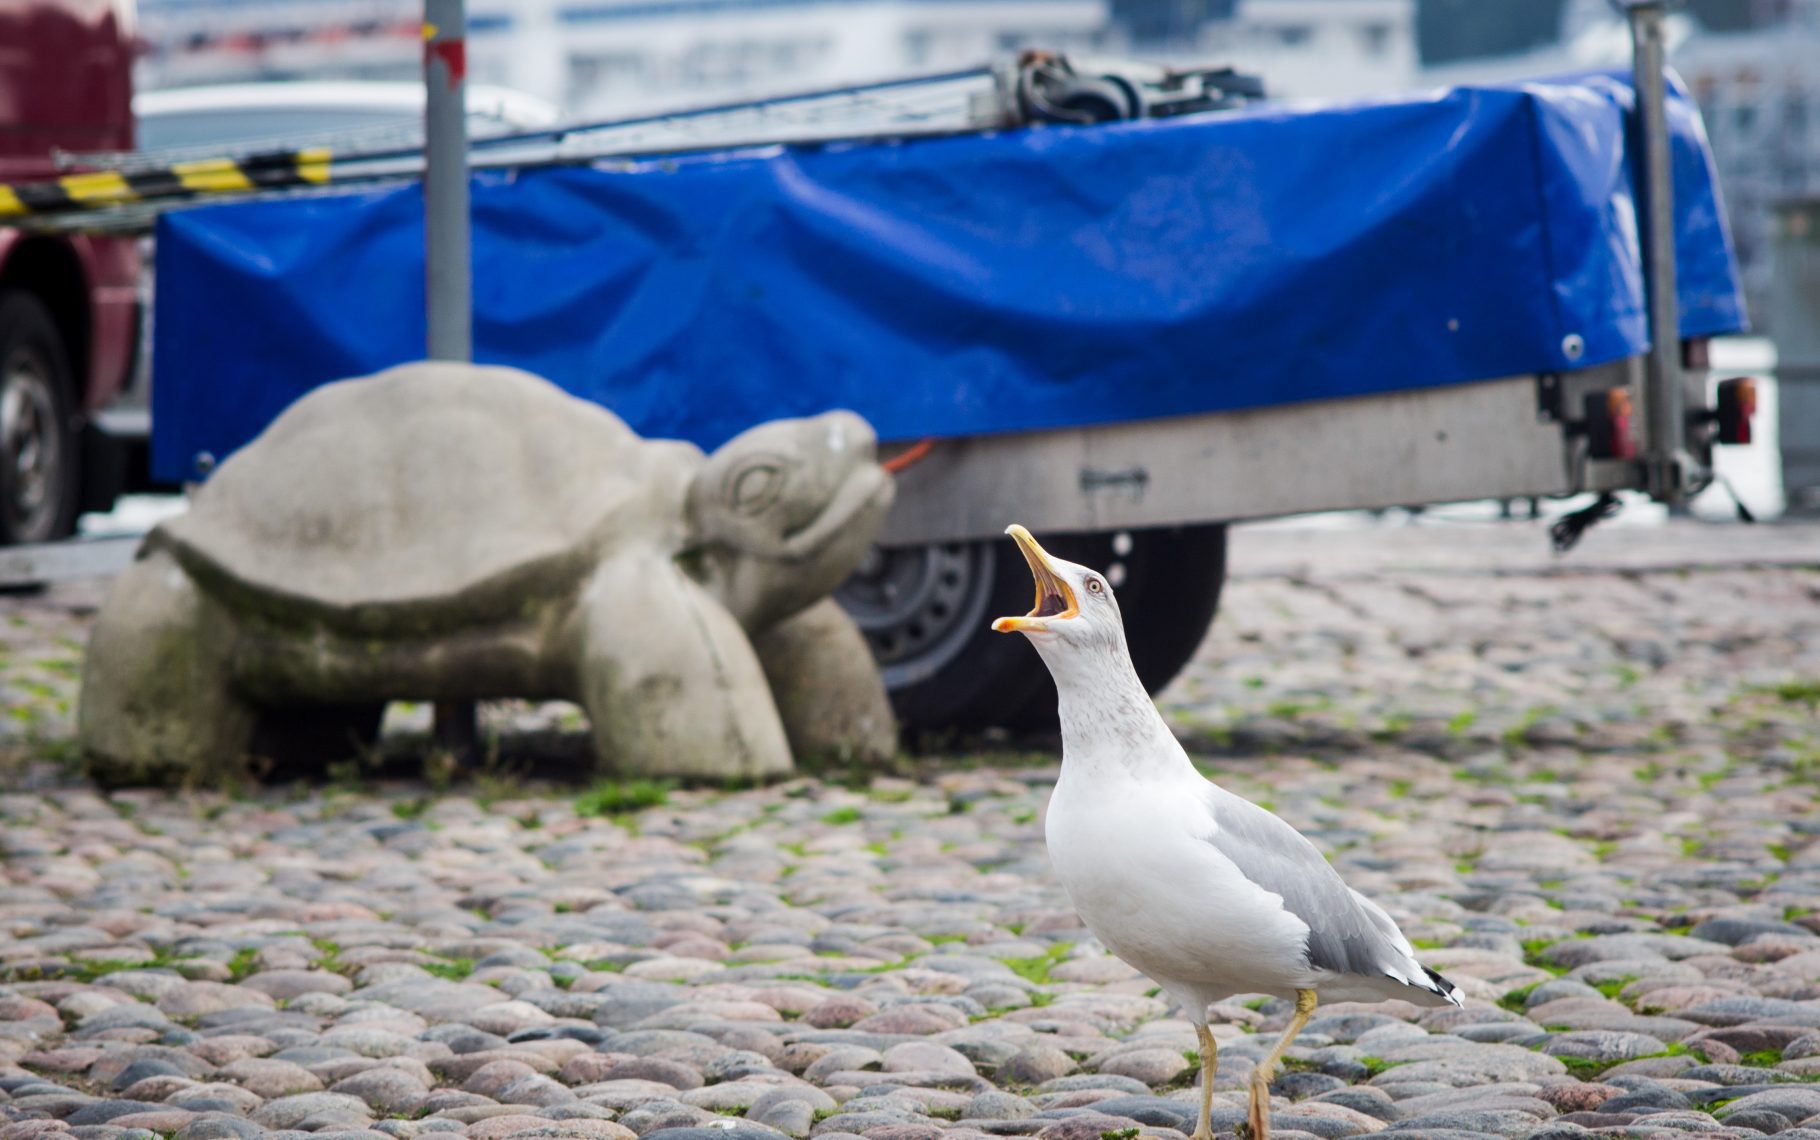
(1105,713)
(1074,608)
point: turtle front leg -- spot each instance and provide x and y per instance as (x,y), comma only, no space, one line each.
(157,706)
(669,680)
(826,686)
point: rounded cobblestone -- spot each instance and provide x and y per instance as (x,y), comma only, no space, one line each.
(1585,790)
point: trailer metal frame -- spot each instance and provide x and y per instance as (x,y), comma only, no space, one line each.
(1493,439)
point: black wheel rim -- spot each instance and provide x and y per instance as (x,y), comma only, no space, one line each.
(31,446)
(918,606)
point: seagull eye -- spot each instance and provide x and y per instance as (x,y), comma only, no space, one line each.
(1094,587)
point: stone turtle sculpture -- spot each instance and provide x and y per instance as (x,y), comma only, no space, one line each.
(447,531)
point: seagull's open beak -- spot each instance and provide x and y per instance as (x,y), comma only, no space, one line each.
(1054,598)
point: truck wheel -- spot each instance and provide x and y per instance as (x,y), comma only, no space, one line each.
(925,611)
(40,476)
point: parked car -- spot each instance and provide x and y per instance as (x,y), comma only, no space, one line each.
(67,302)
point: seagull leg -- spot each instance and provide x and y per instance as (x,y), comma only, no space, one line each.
(1259,1115)
(1210,1064)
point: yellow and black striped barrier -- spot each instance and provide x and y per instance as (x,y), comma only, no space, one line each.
(74,192)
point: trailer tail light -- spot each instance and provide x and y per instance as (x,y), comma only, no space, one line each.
(1737,405)
(1608,434)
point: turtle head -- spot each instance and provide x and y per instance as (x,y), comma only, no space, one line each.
(784,511)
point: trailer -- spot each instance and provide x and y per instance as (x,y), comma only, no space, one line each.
(1122,328)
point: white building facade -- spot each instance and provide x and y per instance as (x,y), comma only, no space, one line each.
(190,42)
(1759,94)
(601,58)
(606,58)
(1320,49)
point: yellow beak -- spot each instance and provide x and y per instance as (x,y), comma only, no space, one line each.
(1054,599)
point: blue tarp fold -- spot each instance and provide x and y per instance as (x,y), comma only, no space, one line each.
(979,283)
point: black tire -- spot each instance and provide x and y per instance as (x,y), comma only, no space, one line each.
(926,611)
(1173,582)
(40,454)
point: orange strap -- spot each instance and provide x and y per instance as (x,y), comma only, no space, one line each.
(910,455)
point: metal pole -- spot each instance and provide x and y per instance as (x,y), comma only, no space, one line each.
(1664,396)
(447,264)
(445,179)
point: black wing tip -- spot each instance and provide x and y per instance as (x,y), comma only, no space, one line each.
(1432,983)
(1444,987)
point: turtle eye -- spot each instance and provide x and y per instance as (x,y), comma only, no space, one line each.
(752,488)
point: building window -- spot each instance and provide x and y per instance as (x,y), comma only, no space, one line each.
(614,71)
(718,63)
(792,55)
(1375,38)
(916,47)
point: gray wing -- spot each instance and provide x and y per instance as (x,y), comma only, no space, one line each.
(1346,933)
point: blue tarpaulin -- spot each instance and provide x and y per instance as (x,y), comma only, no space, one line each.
(978,283)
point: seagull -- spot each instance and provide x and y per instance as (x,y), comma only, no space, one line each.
(1203,891)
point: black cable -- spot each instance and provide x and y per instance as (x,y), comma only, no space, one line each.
(1744,512)
(1568,529)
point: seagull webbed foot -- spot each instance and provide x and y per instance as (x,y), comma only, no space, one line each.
(1257,1113)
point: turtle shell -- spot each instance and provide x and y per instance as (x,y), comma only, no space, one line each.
(427,496)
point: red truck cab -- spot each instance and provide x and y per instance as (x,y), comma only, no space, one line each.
(68,303)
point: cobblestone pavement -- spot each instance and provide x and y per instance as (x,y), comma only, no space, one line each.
(1586,789)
